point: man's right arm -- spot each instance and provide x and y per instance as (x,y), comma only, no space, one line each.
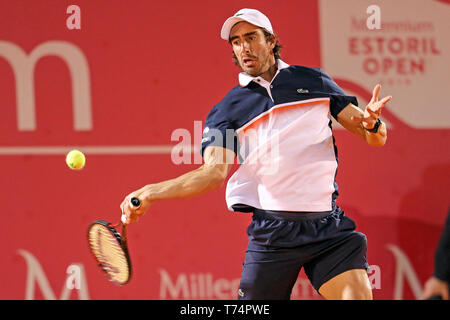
(210,176)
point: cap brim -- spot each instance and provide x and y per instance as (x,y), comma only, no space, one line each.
(226,28)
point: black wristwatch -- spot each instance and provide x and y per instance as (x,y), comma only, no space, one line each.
(375,128)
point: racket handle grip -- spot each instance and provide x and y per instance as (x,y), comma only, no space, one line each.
(135,202)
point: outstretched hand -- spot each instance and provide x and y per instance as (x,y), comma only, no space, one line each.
(373,109)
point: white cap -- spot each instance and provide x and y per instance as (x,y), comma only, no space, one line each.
(250,15)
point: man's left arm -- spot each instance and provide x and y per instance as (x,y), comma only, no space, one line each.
(363,123)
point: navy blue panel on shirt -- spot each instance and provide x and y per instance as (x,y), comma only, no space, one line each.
(218,130)
(338,99)
(315,81)
(242,104)
(290,80)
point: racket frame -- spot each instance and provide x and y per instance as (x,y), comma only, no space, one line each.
(121,240)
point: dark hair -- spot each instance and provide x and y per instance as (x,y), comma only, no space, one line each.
(276,50)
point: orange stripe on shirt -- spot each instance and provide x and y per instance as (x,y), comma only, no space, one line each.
(281,109)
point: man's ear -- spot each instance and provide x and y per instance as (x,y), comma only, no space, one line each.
(272,41)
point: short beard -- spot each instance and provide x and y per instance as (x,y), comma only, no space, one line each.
(276,50)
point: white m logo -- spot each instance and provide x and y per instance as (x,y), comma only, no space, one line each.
(76,279)
(23,68)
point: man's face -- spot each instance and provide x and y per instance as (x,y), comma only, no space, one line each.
(253,51)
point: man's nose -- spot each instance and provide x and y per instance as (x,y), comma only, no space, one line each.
(246,46)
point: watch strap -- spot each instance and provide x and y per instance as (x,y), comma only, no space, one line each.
(375,128)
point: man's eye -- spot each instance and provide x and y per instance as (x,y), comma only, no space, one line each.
(236,43)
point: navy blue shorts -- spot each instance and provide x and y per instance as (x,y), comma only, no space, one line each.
(281,243)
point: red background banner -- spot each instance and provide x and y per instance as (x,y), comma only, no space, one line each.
(154,67)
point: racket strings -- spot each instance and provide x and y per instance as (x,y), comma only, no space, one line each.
(109,253)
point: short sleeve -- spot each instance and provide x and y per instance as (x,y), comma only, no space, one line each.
(218,131)
(338,99)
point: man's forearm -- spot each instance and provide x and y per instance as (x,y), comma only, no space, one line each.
(191,184)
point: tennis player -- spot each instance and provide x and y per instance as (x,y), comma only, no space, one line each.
(278,122)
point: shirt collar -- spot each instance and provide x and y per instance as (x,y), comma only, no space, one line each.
(245,78)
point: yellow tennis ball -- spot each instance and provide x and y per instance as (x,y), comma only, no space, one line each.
(76,160)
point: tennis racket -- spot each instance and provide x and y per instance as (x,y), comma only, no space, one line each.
(110,248)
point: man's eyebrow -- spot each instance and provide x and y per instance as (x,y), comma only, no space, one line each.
(245,35)
(232,38)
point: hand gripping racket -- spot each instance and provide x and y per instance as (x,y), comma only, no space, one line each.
(110,248)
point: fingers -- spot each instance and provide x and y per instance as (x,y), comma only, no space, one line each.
(375,93)
(128,214)
(377,106)
(359,119)
(428,290)
(373,116)
(367,122)
(131,213)
(435,287)
(444,294)
(125,218)
(385,100)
